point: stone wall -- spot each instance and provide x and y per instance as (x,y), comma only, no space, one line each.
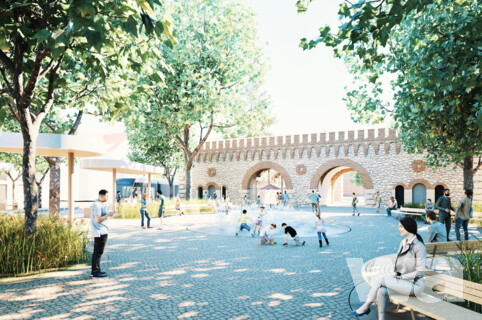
(304,160)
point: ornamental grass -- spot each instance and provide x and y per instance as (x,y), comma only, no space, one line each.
(55,244)
(132,210)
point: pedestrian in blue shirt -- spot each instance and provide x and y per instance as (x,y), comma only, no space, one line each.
(144,212)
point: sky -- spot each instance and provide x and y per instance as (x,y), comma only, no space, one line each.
(306,87)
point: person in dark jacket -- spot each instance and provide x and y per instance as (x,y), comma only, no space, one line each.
(444,205)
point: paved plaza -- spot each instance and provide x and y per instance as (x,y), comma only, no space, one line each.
(183,272)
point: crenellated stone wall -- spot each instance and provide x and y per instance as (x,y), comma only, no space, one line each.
(307,161)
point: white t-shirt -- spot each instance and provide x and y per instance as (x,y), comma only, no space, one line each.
(98,228)
(266,231)
(320,225)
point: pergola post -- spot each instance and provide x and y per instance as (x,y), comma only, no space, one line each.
(114,187)
(70,174)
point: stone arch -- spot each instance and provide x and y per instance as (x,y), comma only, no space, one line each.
(214,184)
(422,181)
(264,166)
(440,184)
(400,184)
(331,164)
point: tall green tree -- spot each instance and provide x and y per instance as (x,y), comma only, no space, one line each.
(423,70)
(150,144)
(41,39)
(215,80)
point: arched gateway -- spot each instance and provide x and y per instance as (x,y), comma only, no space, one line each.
(301,163)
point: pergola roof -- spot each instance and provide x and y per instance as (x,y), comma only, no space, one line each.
(6,167)
(121,166)
(54,145)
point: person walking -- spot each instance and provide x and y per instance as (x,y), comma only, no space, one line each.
(160,213)
(321,229)
(99,231)
(378,201)
(408,278)
(144,212)
(285,199)
(462,214)
(392,205)
(354,201)
(318,202)
(436,231)
(313,199)
(444,206)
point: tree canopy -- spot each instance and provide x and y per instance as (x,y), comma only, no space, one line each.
(214,77)
(419,63)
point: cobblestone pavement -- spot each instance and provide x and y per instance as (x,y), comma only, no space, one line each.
(182,274)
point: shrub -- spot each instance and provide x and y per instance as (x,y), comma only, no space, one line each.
(132,210)
(414,205)
(56,244)
(472,263)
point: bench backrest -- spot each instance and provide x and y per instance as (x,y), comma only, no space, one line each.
(444,247)
(456,287)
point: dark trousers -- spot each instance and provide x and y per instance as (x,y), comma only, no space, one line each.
(444,218)
(99,245)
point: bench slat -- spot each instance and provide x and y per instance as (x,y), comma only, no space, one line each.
(456,287)
(444,247)
(440,310)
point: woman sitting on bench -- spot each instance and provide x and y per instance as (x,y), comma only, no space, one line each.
(409,273)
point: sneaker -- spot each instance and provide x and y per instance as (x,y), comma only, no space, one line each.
(149,227)
(98,274)
(303,243)
(143,227)
(358,213)
(236,234)
(353,214)
(285,244)
(252,234)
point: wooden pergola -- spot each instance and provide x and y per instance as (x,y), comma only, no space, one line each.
(57,145)
(120,166)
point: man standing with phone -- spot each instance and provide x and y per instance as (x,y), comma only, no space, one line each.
(444,206)
(99,231)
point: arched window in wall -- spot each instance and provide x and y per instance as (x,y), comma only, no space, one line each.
(439,191)
(419,193)
(400,195)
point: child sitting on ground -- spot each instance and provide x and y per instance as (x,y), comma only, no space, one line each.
(242,220)
(293,235)
(266,235)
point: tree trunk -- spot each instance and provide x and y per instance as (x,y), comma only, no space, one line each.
(171,184)
(54,186)
(469,173)
(188,179)
(29,183)
(39,189)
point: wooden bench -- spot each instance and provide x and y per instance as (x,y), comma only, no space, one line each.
(451,248)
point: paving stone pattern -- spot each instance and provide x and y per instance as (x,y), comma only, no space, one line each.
(181,274)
